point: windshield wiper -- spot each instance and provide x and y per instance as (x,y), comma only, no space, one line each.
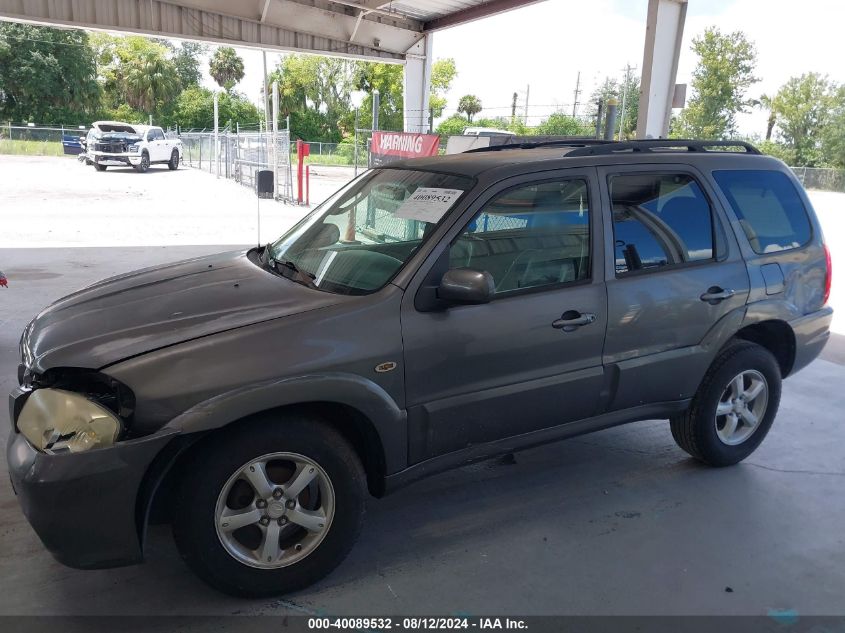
(306,278)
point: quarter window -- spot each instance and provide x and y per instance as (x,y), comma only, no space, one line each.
(659,220)
(768,208)
(528,237)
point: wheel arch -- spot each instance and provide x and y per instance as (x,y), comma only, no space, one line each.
(376,430)
(775,335)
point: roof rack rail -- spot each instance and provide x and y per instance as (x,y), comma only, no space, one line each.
(574,142)
(662,144)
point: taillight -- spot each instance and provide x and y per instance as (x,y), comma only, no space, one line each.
(828,275)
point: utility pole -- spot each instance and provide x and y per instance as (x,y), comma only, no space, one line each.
(266,112)
(266,91)
(628,69)
(216,137)
(577,90)
(527,92)
(513,109)
(355,144)
(375,109)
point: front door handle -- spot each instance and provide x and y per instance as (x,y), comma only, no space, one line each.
(572,320)
(715,294)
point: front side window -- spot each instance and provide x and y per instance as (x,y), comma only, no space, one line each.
(537,235)
(768,207)
(659,220)
(357,240)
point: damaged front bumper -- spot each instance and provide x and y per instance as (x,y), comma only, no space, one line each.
(125,158)
(83,506)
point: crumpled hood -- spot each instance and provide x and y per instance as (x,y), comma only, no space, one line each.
(155,307)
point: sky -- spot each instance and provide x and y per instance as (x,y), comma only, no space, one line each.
(542,48)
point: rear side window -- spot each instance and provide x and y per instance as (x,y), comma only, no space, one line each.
(768,207)
(659,220)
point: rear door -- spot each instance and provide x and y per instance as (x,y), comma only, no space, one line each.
(531,358)
(674,276)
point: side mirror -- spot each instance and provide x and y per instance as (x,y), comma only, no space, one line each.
(463,286)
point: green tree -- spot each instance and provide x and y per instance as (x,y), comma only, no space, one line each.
(135,72)
(611,88)
(194,109)
(315,92)
(833,136)
(470,105)
(187,60)
(149,80)
(778,150)
(562,124)
(443,72)
(47,75)
(803,107)
(388,79)
(226,67)
(453,126)
(724,72)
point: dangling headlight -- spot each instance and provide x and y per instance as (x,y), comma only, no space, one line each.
(56,420)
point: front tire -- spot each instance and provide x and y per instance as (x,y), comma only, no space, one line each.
(269,507)
(173,164)
(144,165)
(734,407)
(100,167)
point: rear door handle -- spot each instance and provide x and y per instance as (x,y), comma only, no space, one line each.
(572,319)
(715,294)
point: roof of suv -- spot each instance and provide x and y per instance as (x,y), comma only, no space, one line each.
(477,161)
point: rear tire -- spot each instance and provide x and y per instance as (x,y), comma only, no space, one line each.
(221,487)
(174,160)
(734,407)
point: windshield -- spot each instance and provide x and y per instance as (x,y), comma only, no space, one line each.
(129,136)
(357,240)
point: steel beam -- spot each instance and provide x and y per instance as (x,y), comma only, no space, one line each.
(417,85)
(306,27)
(476,12)
(664,32)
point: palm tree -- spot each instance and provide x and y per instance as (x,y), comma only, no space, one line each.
(469,105)
(765,103)
(226,67)
(149,80)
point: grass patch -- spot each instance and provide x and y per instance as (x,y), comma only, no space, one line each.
(31,148)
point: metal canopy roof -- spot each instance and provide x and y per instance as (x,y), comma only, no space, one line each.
(375,29)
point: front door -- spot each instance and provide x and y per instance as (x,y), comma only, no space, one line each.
(675,277)
(157,147)
(531,358)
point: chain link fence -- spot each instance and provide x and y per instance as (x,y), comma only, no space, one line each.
(340,154)
(821,179)
(35,140)
(241,155)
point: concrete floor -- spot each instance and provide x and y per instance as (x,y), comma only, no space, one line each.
(618,522)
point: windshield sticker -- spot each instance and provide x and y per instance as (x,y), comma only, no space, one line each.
(428,204)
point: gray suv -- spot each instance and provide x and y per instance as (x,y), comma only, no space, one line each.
(431,313)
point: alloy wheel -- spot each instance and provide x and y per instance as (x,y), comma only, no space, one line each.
(741,407)
(275,510)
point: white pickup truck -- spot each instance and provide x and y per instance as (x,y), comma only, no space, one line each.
(112,143)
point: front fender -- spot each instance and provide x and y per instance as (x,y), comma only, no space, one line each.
(365,396)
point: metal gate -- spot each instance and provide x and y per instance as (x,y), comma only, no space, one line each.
(240,155)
